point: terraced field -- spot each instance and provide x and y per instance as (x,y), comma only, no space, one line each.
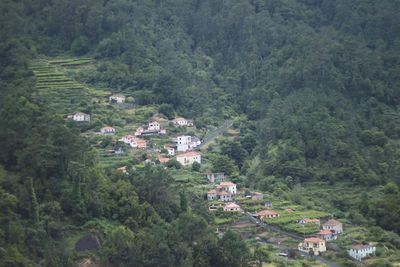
(56,90)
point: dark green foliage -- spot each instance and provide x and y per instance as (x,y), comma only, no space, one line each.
(196,166)
(167,110)
(314,83)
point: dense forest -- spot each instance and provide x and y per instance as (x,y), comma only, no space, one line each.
(313,86)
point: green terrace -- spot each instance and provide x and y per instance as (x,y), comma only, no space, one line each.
(58,91)
(287,221)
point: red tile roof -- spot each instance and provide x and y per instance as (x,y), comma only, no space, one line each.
(360,246)
(325,232)
(313,240)
(212,191)
(189,154)
(232,206)
(332,223)
(227,184)
(267,213)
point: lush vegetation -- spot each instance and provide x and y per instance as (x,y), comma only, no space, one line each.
(311,87)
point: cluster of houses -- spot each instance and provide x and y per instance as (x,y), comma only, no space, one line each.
(316,245)
(183,143)
(330,231)
(153,128)
(134,141)
(225,192)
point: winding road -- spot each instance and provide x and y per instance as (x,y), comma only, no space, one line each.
(216,133)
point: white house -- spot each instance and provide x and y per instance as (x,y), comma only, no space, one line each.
(170,149)
(117,98)
(107,130)
(154,126)
(180,121)
(313,245)
(225,196)
(327,235)
(231,207)
(128,139)
(334,225)
(183,143)
(215,177)
(358,252)
(228,187)
(80,116)
(189,158)
(186,142)
(212,194)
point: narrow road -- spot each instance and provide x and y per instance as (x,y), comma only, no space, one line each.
(291,235)
(216,133)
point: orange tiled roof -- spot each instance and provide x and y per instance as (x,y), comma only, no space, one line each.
(313,240)
(227,184)
(267,213)
(332,222)
(325,232)
(189,154)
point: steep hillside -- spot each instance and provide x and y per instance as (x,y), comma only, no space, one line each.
(311,88)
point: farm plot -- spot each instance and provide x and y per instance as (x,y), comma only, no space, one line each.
(56,90)
(287,221)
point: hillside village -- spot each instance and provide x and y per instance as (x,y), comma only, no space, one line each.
(129,136)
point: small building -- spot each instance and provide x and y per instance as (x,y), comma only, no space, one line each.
(232,207)
(154,126)
(224,196)
(139,131)
(117,98)
(215,177)
(195,142)
(307,220)
(170,150)
(334,225)
(81,117)
(183,143)
(228,187)
(327,235)
(128,139)
(267,214)
(107,130)
(187,142)
(268,204)
(313,245)
(359,251)
(212,194)
(189,158)
(180,121)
